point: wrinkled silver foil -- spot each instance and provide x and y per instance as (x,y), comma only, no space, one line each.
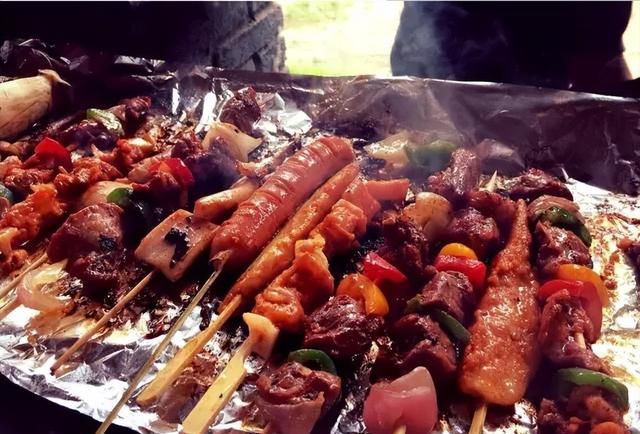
(592,137)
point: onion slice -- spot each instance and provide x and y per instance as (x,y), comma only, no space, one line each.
(408,401)
(30,294)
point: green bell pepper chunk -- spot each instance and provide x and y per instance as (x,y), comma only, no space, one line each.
(120,196)
(313,359)
(7,194)
(432,156)
(451,325)
(567,378)
(564,219)
(108,119)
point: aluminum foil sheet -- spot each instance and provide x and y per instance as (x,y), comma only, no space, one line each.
(590,138)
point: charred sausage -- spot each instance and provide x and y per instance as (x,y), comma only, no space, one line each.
(257,219)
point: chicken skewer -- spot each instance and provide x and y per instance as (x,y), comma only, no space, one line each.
(51,165)
(509,303)
(96,196)
(253,224)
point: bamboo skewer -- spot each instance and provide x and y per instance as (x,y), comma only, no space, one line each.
(130,295)
(262,336)
(480,414)
(400,429)
(183,357)
(16,280)
(477,423)
(221,259)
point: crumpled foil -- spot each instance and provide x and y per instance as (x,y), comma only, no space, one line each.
(590,139)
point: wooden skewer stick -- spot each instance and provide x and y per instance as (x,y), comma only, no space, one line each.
(14,282)
(579,337)
(262,337)
(130,295)
(477,423)
(221,259)
(267,429)
(400,429)
(9,307)
(184,356)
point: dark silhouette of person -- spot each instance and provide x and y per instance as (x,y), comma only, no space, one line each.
(567,45)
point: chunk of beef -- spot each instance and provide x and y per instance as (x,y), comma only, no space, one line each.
(213,170)
(562,317)
(474,230)
(405,246)
(95,228)
(534,183)
(294,397)
(98,271)
(242,110)
(86,171)
(135,111)
(494,205)
(587,410)
(163,190)
(185,145)
(632,249)
(558,246)
(340,328)
(450,292)
(462,176)
(87,133)
(418,341)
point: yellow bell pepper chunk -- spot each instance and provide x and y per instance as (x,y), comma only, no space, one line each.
(360,287)
(458,249)
(584,274)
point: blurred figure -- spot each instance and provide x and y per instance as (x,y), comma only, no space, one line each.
(567,45)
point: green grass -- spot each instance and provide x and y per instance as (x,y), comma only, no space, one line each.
(300,13)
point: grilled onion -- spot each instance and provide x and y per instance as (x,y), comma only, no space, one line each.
(238,144)
(30,293)
(431,212)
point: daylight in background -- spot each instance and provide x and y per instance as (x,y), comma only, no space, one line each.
(350,37)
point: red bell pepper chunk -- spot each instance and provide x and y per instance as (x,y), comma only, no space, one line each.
(586,291)
(377,269)
(177,168)
(472,268)
(51,148)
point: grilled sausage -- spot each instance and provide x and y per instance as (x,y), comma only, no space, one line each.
(279,253)
(257,219)
(503,352)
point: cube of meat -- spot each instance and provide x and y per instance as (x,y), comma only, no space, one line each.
(418,341)
(97,228)
(173,245)
(558,246)
(534,183)
(340,328)
(450,292)
(472,229)
(294,397)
